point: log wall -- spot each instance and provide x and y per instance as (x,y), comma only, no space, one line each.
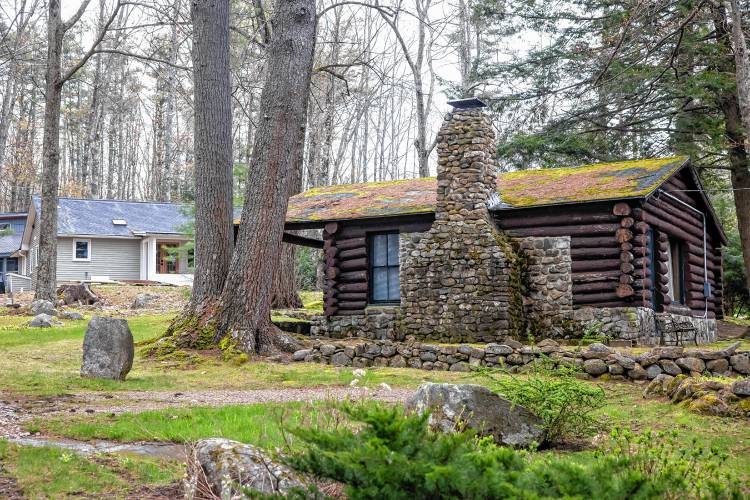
(346,253)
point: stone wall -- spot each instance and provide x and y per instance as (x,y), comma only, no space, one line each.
(374,323)
(597,360)
(548,293)
(457,279)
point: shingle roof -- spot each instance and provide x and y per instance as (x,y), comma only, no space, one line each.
(94,217)
(11,242)
(520,189)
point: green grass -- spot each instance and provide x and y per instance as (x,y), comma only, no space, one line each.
(45,472)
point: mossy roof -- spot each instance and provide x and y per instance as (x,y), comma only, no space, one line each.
(519,189)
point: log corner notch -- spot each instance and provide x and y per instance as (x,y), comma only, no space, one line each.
(330,254)
(624,236)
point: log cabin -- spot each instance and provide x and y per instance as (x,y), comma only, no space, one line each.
(631,249)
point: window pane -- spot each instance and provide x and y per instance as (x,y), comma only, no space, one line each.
(82,250)
(393,249)
(380,250)
(380,283)
(12,265)
(393,288)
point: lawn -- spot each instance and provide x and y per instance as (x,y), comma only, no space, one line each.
(45,363)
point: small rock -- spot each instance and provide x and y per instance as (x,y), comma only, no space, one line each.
(691,364)
(512,343)
(615,369)
(461,366)
(595,367)
(669,352)
(43,321)
(341,359)
(717,365)
(741,363)
(637,372)
(625,361)
(397,362)
(301,354)
(658,385)
(41,306)
(670,367)
(647,358)
(107,349)
(71,315)
(143,300)
(596,351)
(231,468)
(653,371)
(327,349)
(741,387)
(453,406)
(498,349)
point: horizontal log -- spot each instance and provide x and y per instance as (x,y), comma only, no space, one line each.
(626,279)
(593,241)
(346,244)
(671,229)
(594,253)
(662,268)
(593,298)
(626,257)
(352,287)
(330,311)
(677,211)
(627,222)
(348,306)
(331,228)
(595,265)
(333,273)
(566,218)
(353,276)
(626,246)
(351,297)
(641,272)
(331,251)
(578,230)
(641,227)
(669,217)
(642,283)
(641,252)
(353,265)
(621,209)
(640,240)
(698,270)
(602,286)
(627,267)
(638,214)
(296,239)
(352,253)
(593,277)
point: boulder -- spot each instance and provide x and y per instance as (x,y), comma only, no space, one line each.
(43,320)
(548,346)
(327,349)
(741,387)
(71,315)
(669,352)
(107,349)
(647,358)
(397,362)
(512,343)
(461,366)
(41,306)
(498,349)
(717,365)
(625,361)
(229,469)
(691,364)
(452,406)
(709,404)
(143,300)
(659,385)
(595,367)
(653,371)
(637,372)
(741,363)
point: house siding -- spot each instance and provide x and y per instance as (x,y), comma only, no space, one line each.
(117,258)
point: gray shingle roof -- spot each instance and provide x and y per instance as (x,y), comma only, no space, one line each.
(94,217)
(11,242)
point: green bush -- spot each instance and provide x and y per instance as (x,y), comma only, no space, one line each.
(566,404)
(389,455)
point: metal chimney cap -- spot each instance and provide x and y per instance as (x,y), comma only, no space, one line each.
(467,103)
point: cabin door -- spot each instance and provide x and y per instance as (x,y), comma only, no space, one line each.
(169,261)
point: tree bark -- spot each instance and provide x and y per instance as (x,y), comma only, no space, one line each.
(246,301)
(213,150)
(47,268)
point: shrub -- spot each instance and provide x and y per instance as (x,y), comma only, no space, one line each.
(566,404)
(390,455)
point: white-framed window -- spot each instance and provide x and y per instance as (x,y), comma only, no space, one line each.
(82,250)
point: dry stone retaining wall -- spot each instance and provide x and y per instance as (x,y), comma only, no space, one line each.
(596,360)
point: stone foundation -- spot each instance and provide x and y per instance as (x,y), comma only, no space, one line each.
(643,326)
(374,323)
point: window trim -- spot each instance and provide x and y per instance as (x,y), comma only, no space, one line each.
(371,268)
(88,244)
(678,246)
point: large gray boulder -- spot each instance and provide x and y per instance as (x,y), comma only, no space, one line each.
(143,300)
(452,406)
(43,320)
(41,306)
(107,349)
(229,469)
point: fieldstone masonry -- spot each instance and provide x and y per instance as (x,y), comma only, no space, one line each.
(457,278)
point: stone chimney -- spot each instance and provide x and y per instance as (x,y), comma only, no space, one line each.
(466,171)
(457,278)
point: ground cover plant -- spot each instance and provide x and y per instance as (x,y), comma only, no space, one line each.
(396,456)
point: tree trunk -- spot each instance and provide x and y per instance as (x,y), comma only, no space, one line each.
(213,150)
(245,306)
(47,268)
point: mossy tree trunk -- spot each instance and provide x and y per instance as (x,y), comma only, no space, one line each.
(243,310)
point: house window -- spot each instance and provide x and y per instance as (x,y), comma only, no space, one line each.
(11,265)
(168,260)
(384,262)
(82,250)
(676,270)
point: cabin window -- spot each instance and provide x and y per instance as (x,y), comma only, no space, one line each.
(168,258)
(676,270)
(384,265)
(11,265)
(82,250)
